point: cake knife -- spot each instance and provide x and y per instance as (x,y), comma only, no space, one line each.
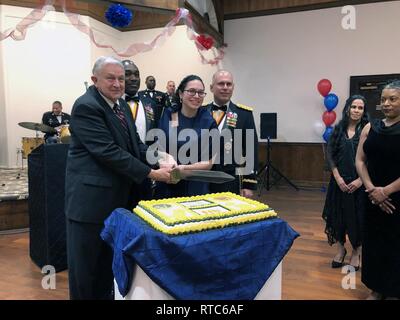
(209,176)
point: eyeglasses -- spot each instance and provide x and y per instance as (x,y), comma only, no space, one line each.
(192,93)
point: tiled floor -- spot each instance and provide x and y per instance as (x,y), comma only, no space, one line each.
(13,184)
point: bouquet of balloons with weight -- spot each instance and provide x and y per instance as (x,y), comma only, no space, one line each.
(330,102)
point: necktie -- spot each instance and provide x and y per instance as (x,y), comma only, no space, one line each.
(134,108)
(119,113)
(222,108)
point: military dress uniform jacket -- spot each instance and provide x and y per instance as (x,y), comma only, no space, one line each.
(237,116)
(51,120)
(171,102)
(152,112)
(152,119)
(157,101)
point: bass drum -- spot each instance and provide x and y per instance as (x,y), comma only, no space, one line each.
(65,135)
(29,144)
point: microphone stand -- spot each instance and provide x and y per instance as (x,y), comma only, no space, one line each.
(267,169)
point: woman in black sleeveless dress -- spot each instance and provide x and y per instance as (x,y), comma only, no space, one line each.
(378,164)
(344,204)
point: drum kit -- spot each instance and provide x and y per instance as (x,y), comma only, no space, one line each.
(29,144)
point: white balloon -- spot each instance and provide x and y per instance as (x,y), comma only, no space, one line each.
(319,128)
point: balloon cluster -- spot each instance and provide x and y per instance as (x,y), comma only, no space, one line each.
(330,101)
(118,16)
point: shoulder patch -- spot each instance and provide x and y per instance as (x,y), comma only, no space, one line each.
(242,106)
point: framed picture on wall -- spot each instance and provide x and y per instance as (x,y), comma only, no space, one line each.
(370,86)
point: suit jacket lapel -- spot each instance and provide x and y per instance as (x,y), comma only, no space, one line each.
(115,121)
(109,112)
(113,118)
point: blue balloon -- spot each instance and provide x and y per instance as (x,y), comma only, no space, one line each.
(327,133)
(331,101)
(118,15)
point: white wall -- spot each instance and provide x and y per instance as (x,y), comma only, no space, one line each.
(278,60)
(3,123)
(104,35)
(55,60)
(50,64)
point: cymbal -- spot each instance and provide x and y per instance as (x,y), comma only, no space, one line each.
(37,127)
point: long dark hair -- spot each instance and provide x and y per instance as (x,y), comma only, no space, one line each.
(182,87)
(341,127)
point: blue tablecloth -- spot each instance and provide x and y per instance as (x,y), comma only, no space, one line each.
(225,264)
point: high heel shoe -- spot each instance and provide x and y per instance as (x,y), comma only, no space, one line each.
(357,267)
(336,264)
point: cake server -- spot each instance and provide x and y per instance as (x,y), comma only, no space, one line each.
(209,176)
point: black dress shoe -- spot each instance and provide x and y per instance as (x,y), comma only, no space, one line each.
(356,268)
(337,264)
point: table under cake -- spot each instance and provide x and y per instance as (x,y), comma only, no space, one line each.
(239,262)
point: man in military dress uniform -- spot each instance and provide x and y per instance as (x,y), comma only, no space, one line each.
(170,89)
(170,96)
(55,119)
(145,113)
(231,116)
(156,97)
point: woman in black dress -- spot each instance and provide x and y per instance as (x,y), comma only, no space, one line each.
(378,164)
(344,207)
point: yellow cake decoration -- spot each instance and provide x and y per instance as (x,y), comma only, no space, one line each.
(182,215)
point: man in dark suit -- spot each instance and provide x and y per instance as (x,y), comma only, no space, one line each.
(157,98)
(230,117)
(105,164)
(55,119)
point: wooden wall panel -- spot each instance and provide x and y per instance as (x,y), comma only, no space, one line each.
(144,18)
(151,5)
(236,6)
(14,214)
(235,9)
(302,163)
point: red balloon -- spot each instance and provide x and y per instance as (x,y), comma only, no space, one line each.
(329,117)
(324,87)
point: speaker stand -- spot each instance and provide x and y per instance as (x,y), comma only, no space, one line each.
(268,170)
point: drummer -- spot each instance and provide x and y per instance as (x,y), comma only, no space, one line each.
(55,119)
